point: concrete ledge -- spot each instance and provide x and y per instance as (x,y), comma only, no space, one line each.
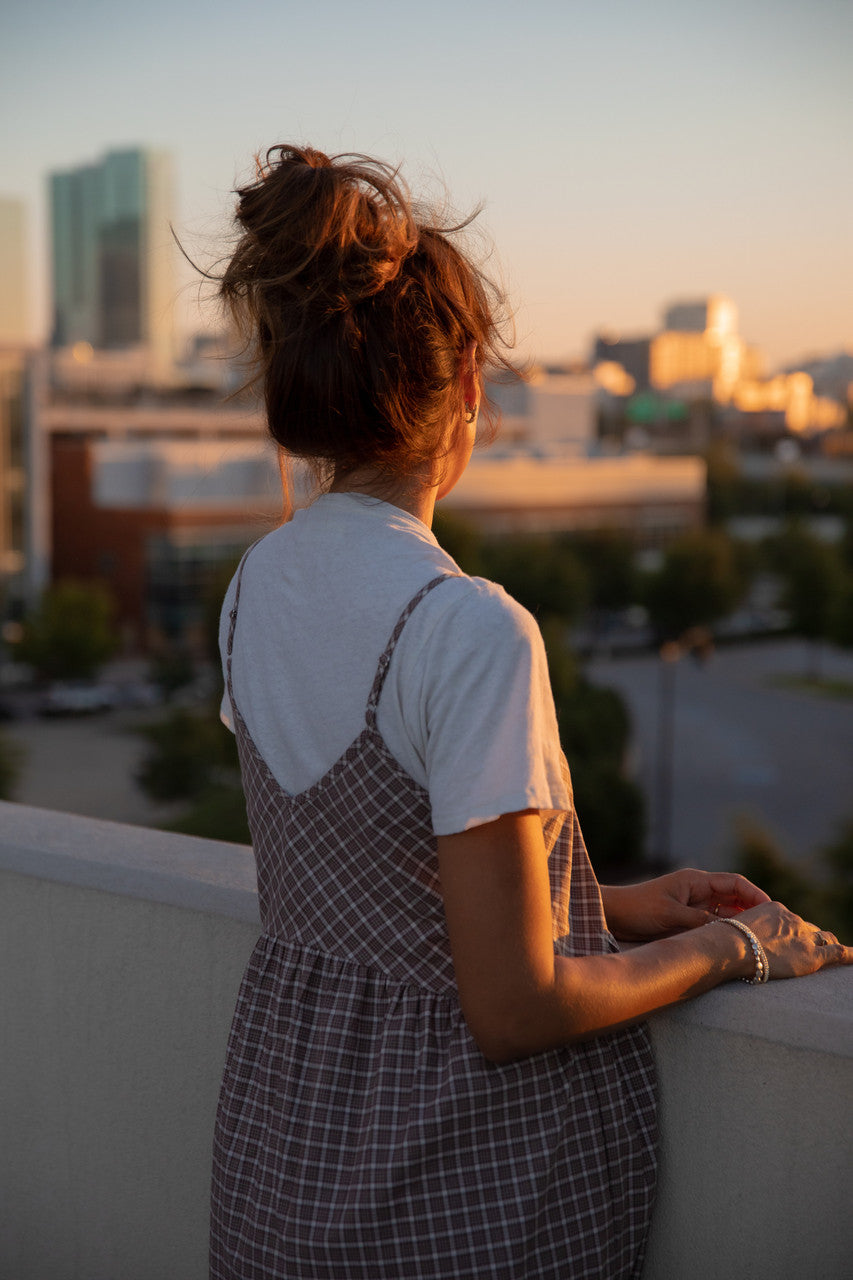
(122,950)
(137,862)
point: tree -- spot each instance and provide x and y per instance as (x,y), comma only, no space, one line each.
(814,584)
(10,767)
(189,751)
(837,857)
(71,633)
(702,578)
(541,573)
(759,858)
(607,556)
(192,757)
(724,487)
(825,897)
(595,729)
(459,539)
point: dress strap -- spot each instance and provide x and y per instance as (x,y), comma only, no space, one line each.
(384,661)
(233,620)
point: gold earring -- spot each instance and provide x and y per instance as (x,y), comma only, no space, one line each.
(470,412)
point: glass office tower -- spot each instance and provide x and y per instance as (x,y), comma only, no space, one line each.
(113,274)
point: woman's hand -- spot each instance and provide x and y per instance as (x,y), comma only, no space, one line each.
(675,902)
(793,946)
(520,998)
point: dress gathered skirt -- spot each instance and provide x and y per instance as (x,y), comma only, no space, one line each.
(361,1134)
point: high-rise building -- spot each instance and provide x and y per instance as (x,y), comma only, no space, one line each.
(113,272)
(13,285)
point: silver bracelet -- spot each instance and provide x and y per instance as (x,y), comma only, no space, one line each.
(762,968)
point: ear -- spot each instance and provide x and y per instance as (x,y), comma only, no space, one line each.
(470,375)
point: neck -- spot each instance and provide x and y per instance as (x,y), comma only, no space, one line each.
(411,495)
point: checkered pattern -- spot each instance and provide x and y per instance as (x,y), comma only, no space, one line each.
(360,1134)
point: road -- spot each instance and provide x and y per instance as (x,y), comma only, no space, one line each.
(84,766)
(742,747)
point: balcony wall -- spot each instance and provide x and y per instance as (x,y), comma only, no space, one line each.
(121,953)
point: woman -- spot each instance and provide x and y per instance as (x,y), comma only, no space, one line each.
(437,1066)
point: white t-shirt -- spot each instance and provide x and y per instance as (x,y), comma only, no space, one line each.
(466,708)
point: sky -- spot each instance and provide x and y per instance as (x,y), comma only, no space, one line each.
(627,153)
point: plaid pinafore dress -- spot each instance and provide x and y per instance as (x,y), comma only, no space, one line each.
(361,1135)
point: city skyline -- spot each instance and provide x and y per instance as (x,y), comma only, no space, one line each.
(626,158)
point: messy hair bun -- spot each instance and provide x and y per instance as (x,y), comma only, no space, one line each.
(357,312)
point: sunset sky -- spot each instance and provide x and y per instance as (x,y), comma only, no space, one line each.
(627,152)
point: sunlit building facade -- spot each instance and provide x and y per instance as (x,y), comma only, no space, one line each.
(112,254)
(700,353)
(13,286)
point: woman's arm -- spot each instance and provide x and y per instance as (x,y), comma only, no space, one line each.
(519,998)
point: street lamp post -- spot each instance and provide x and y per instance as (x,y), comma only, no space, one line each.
(669,654)
(698,642)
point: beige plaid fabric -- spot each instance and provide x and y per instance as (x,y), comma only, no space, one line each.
(360,1133)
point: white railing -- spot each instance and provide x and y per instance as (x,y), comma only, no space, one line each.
(121,952)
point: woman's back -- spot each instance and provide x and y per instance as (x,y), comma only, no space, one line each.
(360,1131)
(467,708)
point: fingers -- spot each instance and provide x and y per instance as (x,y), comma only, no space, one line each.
(682,917)
(736,889)
(827,949)
(834,952)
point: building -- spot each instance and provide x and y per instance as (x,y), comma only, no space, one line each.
(14,328)
(552,411)
(13,471)
(631,353)
(790,397)
(651,499)
(699,353)
(112,255)
(148,490)
(715,316)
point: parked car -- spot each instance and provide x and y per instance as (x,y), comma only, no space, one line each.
(67,698)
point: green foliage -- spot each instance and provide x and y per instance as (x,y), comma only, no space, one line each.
(11,760)
(760,859)
(556,575)
(172,669)
(612,814)
(189,750)
(825,898)
(702,579)
(813,575)
(594,724)
(842,617)
(193,757)
(460,540)
(793,494)
(543,574)
(724,488)
(607,556)
(214,594)
(594,733)
(71,633)
(845,547)
(837,857)
(217,813)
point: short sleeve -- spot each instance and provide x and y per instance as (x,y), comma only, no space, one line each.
(490,728)
(225,713)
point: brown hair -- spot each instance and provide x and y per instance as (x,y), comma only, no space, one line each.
(357,312)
